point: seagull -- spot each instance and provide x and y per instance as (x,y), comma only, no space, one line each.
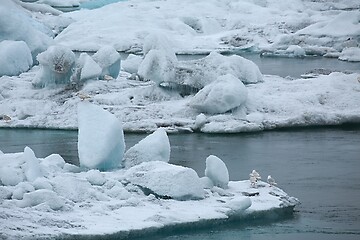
(256,174)
(82,96)
(271,181)
(253,180)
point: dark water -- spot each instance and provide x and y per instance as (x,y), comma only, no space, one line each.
(320,166)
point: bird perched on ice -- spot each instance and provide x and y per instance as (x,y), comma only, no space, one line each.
(271,181)
(256,175)
(253,180)
(82,96)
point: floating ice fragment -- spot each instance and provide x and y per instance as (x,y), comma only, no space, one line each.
(86,68)
(32,165)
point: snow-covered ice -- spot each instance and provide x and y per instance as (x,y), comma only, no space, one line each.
(109,61)
(101,139)
(144,198)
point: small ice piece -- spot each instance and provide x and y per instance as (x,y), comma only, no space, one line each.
(42,196)
(295,51)
(217,171)
(95,177)
(155,147)
(32,165)
(21,189)
(100,139)
(5,193)
(200,121)
(131,63)
(351,54)
(271,181)
(118,191)
(15,57)
(206,183)
(10,176)
(220,96)
(109,60)
(239,204)
(42,183)
(166,180)
(87,68)
(56,65)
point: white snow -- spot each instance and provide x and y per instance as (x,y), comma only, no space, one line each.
(101,139)
(217,171)
(131,63)
(225,93)
(15,57)
(155,147)
(148,196)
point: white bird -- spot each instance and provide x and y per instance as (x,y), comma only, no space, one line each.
(253,181)
(271,181)
(256,174)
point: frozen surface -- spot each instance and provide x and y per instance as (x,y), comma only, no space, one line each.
(15,57)
(142,198)
(155,147)
(101,139)
(351,54)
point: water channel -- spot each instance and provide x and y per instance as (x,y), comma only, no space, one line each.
(320,166)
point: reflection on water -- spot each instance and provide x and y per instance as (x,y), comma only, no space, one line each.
(319,166)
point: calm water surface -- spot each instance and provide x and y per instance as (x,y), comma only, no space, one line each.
(319,166)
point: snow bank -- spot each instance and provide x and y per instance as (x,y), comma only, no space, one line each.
(15,57)
(220,96)
(166,180)
(155,147)
(56,65)
(101,139)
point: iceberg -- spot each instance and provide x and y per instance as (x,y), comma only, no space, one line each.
(86,69)
(101,139)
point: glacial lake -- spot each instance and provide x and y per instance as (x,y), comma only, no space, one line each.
(320,166)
